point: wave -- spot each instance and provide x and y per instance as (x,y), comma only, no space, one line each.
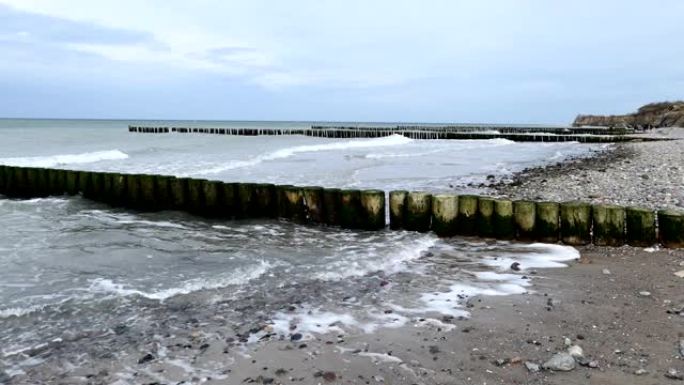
(64,159)
(393,140)
(240,277)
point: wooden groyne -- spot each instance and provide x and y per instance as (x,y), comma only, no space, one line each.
(517,134)
(572,223)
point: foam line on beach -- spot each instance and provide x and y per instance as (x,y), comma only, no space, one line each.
(64,159)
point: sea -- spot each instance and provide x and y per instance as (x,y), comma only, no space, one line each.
(79,279)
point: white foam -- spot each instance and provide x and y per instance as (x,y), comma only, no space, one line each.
(393,140)
(19,311)
(388,261)
(540,255)
(64,159)
(239,277)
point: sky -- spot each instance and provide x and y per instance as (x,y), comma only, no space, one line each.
(496,61)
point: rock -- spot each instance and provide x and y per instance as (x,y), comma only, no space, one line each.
(645,293)
(606,272)
(673,374)
(680,274)
(640,372)
(532,367)
(576,351)
(515,266)
(501,362)
(561,362)
(296,337)
(146,358)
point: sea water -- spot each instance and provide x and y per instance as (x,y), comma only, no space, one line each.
(78,278)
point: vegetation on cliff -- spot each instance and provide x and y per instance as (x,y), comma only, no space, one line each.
(663,114)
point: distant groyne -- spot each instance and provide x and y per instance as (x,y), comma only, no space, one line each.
(572,223)
(518,134)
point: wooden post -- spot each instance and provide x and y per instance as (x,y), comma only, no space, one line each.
(418,211)
(264,194)
(641,227)
(397,209)
(504,224)
(609,225)
(525,214)
(350,208)
(313,203)
(485,217)
(467,214)
(548,222)
(246,206)
(373,209)
(444,214)
(671,228)
(331,206)
(575,223)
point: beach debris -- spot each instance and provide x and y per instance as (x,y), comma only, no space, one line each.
(327,376)
(561,362)
(674,374)
(532,367)
(681,349)
(501,361)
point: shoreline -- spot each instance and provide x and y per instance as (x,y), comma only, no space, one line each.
(643,174)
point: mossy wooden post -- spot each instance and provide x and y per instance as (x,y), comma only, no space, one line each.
(179,193)
(331,206)
(55,182)
(264,196)
(671,228)
(133,197)
(108,188)
(397,209)
(212,202)
(84,182)
(3,179)
(418,211)
(117,194)
(42,187)
(444,214)
(350,208)
(485,217)
(467,214)
(373,209)
(641,227)
(195,197)
(71,182)
(548,222)
(162,187)
(246,207)
(575,220)
(21,182)
(294,198)
(283,203)
(229,200)
(313,203)
(10,181)
(96,190)
(525,216)
(503,221)
(609,225)
(148,193)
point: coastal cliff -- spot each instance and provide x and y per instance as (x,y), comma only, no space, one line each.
(664,114)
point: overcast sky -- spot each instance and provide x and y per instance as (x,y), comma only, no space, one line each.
(523,61)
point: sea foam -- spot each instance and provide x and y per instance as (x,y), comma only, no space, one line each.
(64,159)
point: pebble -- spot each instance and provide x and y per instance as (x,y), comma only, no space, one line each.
(562,362)
(645,293)
(606,272)
(532,367)
(673,374)
(515,266)
(640,372)
(576,351)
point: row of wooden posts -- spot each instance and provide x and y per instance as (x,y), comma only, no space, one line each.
(572,223)
(346,133)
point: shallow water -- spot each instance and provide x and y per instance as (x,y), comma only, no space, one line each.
(83,282)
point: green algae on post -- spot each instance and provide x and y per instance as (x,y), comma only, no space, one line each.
(575,223)
(548,222)
(313,203)
(418,211)
(641,226)
(350,208)
(444,214)
(671,228)
(484,226)
(525,215)
(609,225)
(504,225)
(373,209)
(331,206)
(466,222)
(397,209)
